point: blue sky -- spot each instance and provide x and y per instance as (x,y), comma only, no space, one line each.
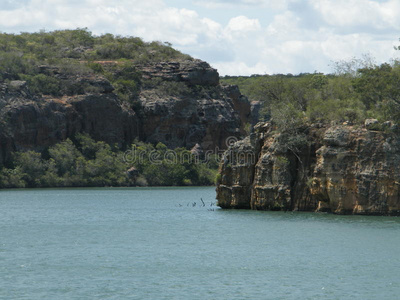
(238,37)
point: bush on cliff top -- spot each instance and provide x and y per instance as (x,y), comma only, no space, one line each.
(75,53)
(82,44)
(358,90)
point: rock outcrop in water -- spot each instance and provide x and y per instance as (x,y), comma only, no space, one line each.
(341,169)
(206,114)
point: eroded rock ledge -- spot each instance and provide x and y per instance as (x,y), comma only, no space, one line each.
(342,169)
(207,113)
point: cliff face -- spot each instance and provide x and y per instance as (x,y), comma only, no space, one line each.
(30,122)
(206,114)
(192,72)
(341,169)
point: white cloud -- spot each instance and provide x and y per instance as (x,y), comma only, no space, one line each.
(218,4)
(368,13)
(284,25)
(241,26)
(287,47)
(242,23)
(239,68)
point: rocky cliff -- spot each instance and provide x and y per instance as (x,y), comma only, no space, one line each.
(33,122)
(199,111)
(205,113)
(341,169)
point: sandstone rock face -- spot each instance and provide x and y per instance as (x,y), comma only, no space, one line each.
(208,114)
(343,169)
(237,176)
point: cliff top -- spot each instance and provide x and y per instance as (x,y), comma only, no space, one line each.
(24,53)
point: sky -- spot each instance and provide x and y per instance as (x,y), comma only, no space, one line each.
(238,37)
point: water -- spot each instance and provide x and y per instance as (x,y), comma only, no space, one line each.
(150,244)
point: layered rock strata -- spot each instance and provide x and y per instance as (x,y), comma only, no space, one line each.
(340,169)
(206,114)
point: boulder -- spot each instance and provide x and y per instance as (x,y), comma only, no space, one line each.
(371,124)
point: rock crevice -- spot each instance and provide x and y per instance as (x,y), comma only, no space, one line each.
(341,169)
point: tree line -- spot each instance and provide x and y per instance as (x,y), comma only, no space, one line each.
(85,162)
(356,90)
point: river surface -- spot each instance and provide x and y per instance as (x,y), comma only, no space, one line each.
(164,243)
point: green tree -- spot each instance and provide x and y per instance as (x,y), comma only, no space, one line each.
(43,84)
(379,83)
(32,166)
(65,155)
(12,178)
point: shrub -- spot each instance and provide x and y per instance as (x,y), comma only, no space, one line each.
(43,84)
(12,178)
(96,67)
(326,111)
(64,155)
(32,166)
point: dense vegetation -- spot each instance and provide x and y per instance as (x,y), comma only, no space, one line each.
(22,52)
(49,61)
(357,90)
(86,162)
